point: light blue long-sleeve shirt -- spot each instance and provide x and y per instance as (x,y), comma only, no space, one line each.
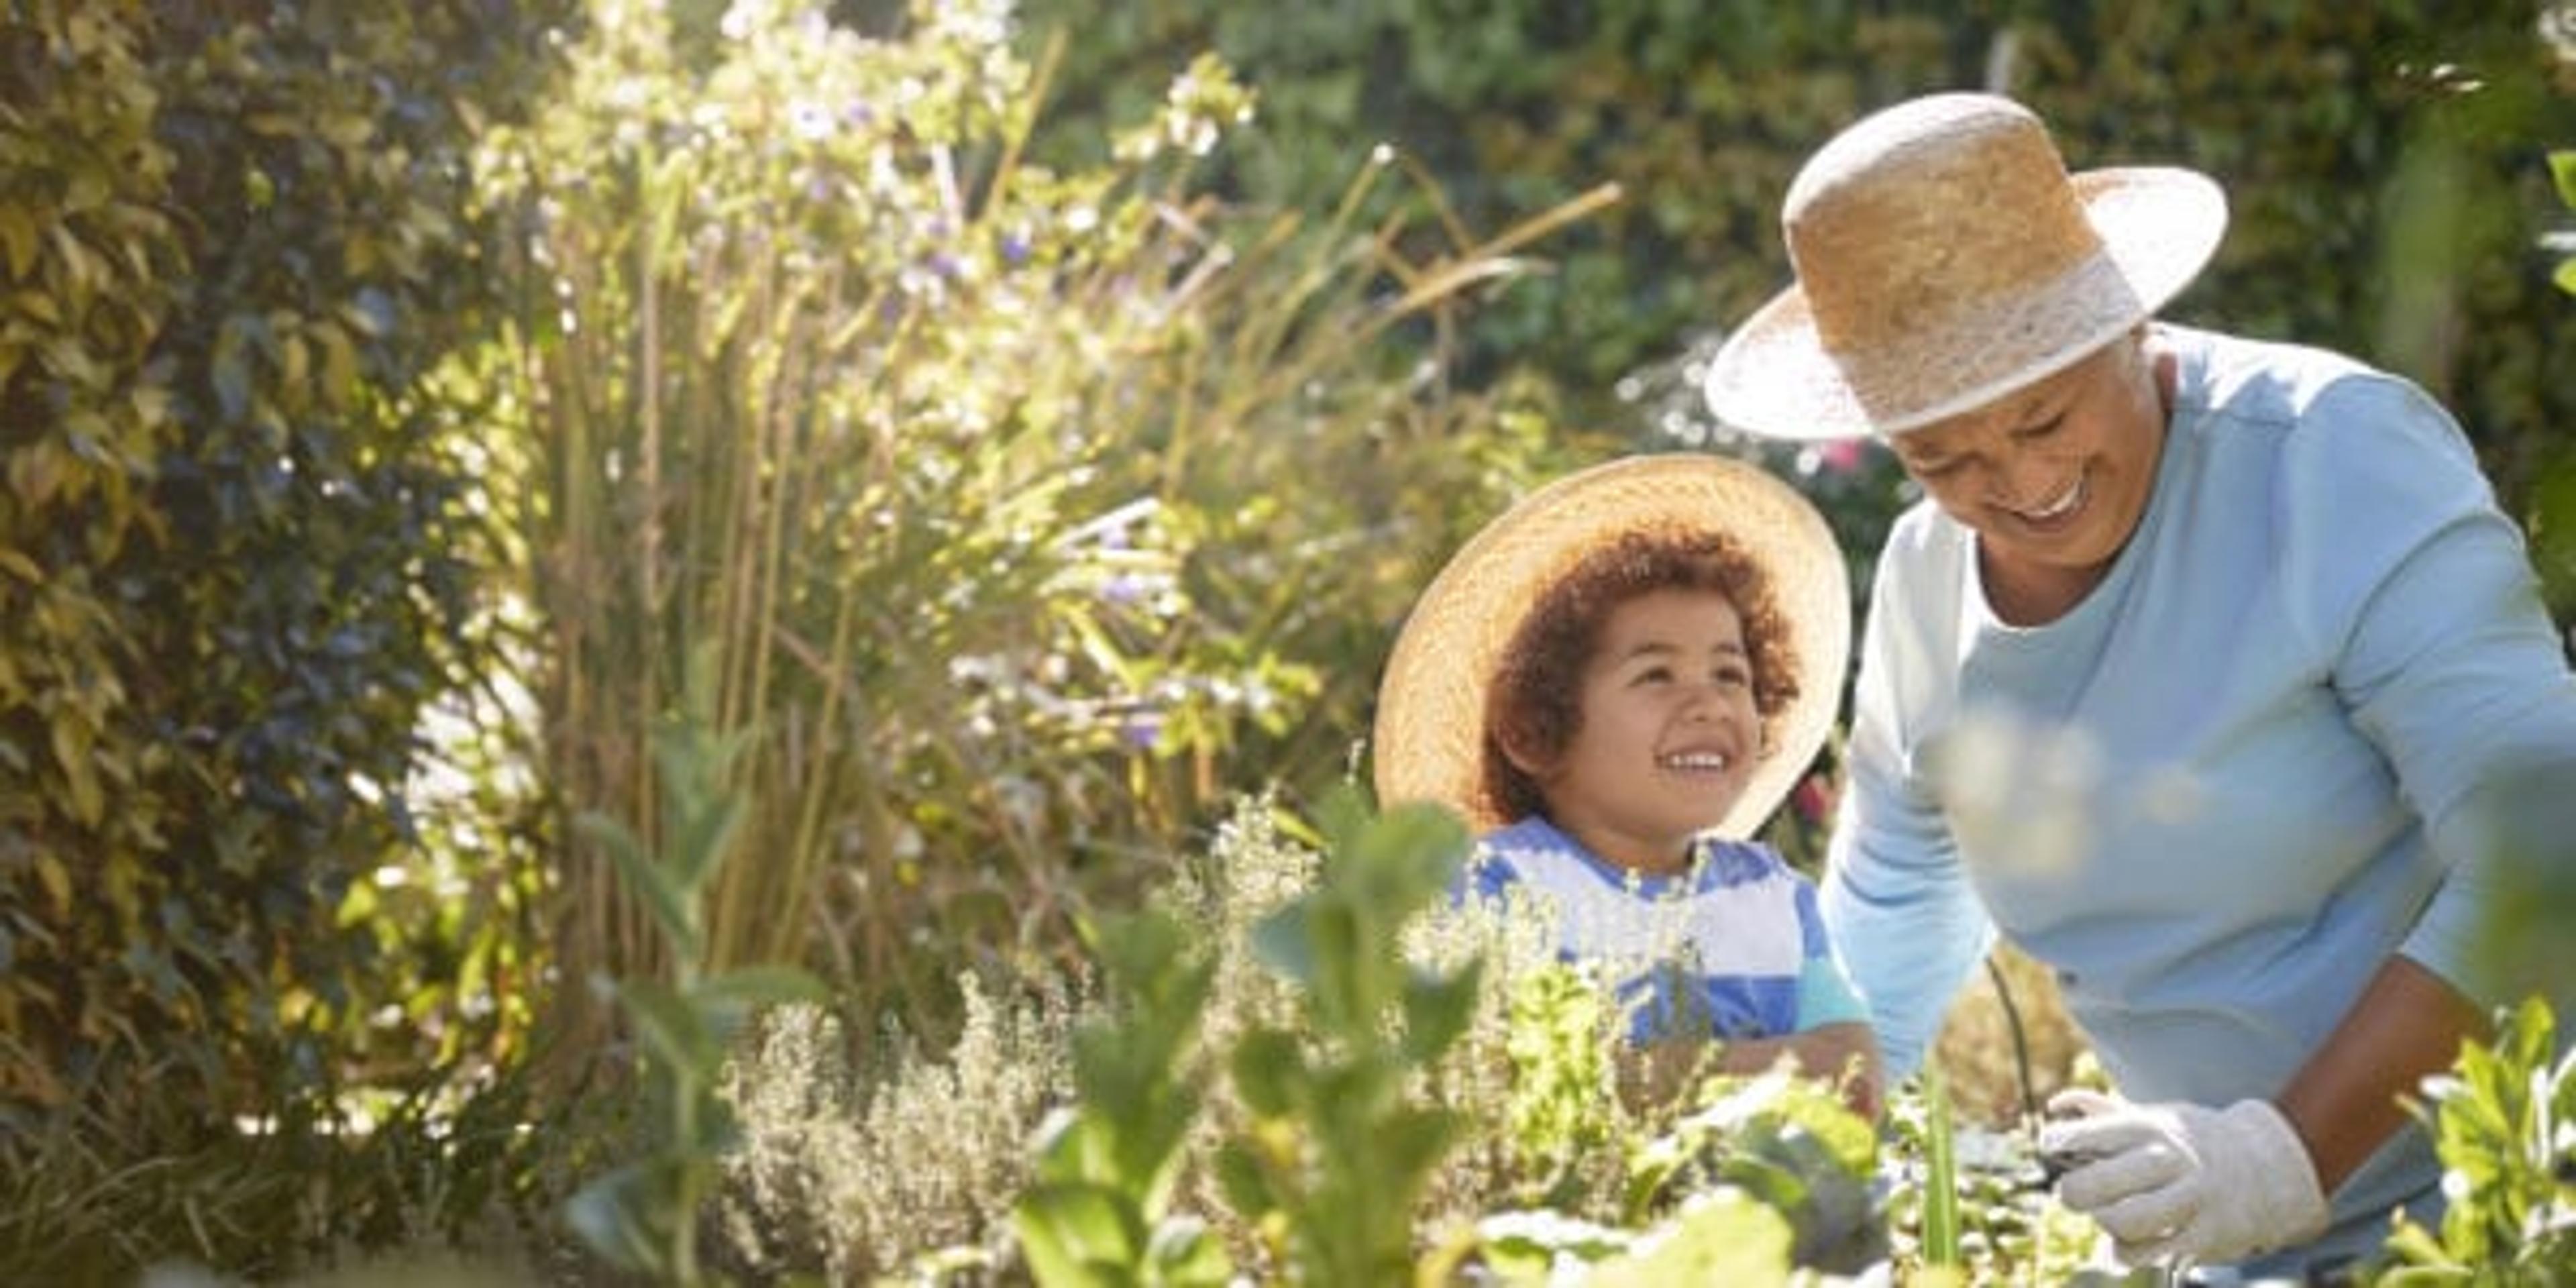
(2222,790)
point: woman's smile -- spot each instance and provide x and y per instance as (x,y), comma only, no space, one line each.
(2059,511)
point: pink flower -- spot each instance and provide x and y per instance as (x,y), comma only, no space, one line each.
(1840,456)
(1813,799)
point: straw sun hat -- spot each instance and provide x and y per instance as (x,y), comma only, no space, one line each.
(1945,257)
(1430,736)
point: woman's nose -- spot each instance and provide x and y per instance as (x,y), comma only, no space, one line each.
(2020,480)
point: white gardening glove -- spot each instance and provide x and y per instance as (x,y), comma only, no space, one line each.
(2179,1182)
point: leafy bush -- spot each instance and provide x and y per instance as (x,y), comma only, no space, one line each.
(976,475)
(2504,1124)
(234,571)
(1202,1113)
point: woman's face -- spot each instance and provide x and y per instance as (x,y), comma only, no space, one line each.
(1668,735)
(2052,477)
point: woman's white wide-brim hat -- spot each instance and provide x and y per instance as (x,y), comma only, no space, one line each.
(1945,257)
(1429,742)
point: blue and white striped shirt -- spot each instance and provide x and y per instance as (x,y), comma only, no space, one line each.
(1731,947)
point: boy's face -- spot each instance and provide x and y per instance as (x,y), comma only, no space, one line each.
(1669,732)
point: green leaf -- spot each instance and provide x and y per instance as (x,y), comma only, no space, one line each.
(1723,1237)
(2565,277)
(1078,1235)
(623,1216)
(1246,1185)
(1185,1253)
(671,1028)
(671,910)
(1437,1011)
(1283,941)
(18,240)
(1268,1065)
(2562,171)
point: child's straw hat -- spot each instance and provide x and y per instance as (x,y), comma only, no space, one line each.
(1430,736)
(1945,258)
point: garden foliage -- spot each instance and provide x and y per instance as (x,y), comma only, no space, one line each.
(2380,159)
(234,567)
(1041,441)
(986,483)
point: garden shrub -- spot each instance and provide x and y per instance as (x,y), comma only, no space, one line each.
(234,570)
(237,570)
(871,1159)
(1030,512)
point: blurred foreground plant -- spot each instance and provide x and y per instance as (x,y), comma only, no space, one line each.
(644,1216)
(1337,1156)
(2504,1124)
(1099,1211)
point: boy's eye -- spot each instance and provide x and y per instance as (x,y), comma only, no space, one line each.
(2043,429)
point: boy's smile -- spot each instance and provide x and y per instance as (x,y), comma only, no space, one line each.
(1668,735)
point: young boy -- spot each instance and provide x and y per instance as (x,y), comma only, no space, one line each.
(1615,683)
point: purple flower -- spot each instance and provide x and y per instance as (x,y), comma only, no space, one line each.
(1141,730)
(1124,588)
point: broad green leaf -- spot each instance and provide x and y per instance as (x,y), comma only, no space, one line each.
(18,239)
(1268,1064)
(1245,1183)
(1078,1235)
(1283,941)
(1185,1253)
(1437,1011)
(671,910)
(1720,1238)
(617,1216)
(671,1028)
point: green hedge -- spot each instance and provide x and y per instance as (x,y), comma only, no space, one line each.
(2384,162)
(234,557)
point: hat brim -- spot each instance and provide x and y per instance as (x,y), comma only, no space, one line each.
(1430,729)
(2159,227)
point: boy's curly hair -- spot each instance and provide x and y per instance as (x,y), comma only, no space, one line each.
(1534,700)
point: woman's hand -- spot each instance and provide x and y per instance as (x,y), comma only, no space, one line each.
(2179,1181)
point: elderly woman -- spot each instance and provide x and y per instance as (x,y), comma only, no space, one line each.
(2199,675)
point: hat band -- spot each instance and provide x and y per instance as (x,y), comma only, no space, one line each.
(1985,354)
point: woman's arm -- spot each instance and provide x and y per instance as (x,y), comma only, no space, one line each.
(2344,1101)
